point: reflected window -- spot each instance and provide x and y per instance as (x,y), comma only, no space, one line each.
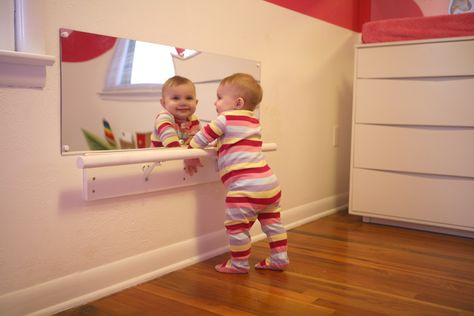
(150,63)
(139,64)
(138,69)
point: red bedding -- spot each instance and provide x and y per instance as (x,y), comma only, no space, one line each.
(406,29)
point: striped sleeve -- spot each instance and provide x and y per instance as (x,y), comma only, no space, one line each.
(192,129)
(209,133)
(165,131)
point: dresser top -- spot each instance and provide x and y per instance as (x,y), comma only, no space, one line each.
(416,42)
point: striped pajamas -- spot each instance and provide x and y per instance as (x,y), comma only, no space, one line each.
(168,133)
(253,190)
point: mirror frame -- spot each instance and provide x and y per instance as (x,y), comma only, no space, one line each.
(97,116)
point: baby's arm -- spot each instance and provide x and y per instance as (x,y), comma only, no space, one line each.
(165,130)
(209,133)
(191,165)
(204,137)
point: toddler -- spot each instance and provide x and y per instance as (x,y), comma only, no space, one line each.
(253,190)
(177,124)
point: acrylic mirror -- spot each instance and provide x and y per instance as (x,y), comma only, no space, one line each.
(111,87)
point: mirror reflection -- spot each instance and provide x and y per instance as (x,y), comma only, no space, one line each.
(111,87)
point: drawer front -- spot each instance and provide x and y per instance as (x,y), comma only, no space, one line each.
(431,150)
(433,101)
(450,58)
(433,200)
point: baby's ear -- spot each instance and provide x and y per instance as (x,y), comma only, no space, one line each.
(162,102)
(240,103)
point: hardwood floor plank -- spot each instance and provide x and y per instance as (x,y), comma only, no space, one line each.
(356,267)
(388,262)
(339,266)
(206,304)
(365,301)
(237,292)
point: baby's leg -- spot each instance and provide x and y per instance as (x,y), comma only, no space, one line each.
(239,220)
(270,221)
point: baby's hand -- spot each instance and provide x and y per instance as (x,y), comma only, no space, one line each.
(191,165)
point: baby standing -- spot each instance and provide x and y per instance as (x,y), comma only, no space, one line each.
(253,190)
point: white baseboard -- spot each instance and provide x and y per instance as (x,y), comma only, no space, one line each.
(86,286)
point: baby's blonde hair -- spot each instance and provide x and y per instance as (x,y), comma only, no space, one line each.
(248,87)
(175,81)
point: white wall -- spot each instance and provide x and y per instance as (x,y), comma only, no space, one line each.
(50,239)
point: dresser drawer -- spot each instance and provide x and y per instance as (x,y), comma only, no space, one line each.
(432,200)
(432,59)
(431,101)
(431,150)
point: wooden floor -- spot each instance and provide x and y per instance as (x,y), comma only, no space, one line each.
(339,266)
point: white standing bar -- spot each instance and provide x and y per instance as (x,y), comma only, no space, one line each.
(105,159)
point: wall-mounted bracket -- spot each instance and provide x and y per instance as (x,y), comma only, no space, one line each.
(148,169)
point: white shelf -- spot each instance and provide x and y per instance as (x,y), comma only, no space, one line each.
(114,174)
(23,70)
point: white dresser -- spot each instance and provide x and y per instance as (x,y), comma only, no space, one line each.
(412,158)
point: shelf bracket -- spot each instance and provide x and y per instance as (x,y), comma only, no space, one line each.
(148,169)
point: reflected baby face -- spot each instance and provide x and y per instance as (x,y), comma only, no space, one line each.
(180,101)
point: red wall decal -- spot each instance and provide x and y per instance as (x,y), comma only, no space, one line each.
(350,14)
(81,46)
